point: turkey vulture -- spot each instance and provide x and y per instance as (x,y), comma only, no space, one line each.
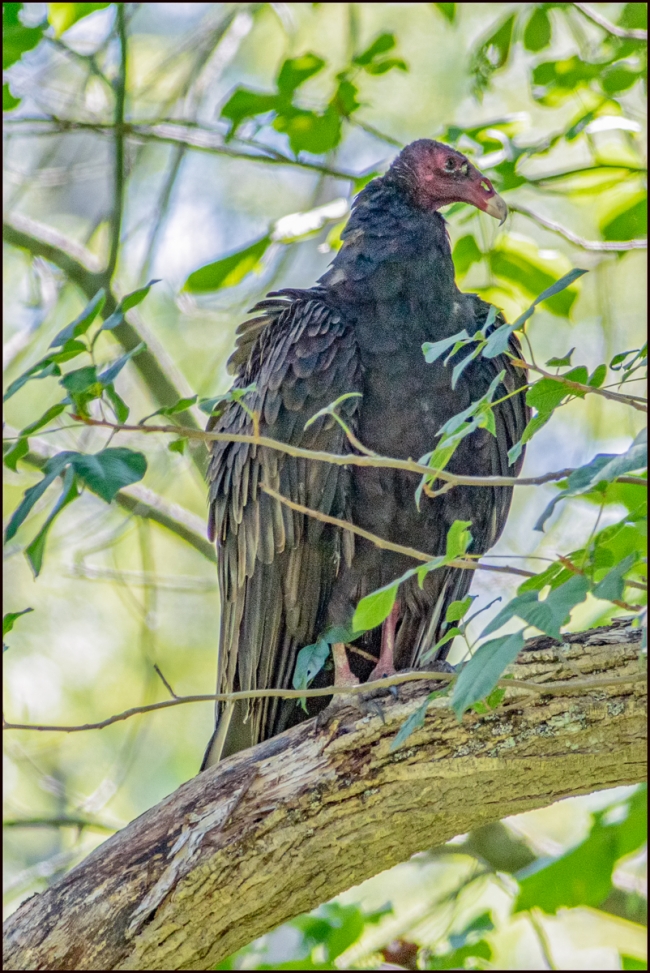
(285,578)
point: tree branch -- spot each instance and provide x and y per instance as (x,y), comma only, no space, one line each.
(39,240)
(632,34)
(386,682)
(118,145)
(348,459)
(603,246)
(280,828)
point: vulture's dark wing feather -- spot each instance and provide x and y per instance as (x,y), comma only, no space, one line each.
(276,566)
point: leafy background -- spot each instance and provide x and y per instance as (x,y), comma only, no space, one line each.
(244,130)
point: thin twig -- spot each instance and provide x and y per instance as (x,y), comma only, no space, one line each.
(348,459)
(544,689)
(385,545)
(595,245)
(81,823)
(631,34)
(606,394)
(165,683)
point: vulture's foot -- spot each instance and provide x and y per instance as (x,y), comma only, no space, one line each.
(342,709)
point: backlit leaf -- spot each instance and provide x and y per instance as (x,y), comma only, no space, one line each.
(229,270)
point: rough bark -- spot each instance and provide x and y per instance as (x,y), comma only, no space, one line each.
(276,830)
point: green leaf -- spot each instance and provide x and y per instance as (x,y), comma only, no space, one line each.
(48,415)
(80,380)
(82,322)
(447,637)
(127,302)
(612,586)
(535,424)
(63,15)
(604,467)
(229,270)
(374,608)
(634,15)
(458,609)
(309,662)
(560,362)
(385,42)
(619,77)
(109,470)
(42,369)
(554,575)
(21,447)
(9,620)
(216,405)
(14,453)
(310,131)
(458,539)
(546,395)
(466,252)
(456,959)
(296,70)
(630,224)
(509,611)
(8,100)
(35,551)
(583,875)
(448,10)
(171,410)
(537,34)
(492,54)
(244,103)
(110,374)
(629,962)
(16,38)
(435,349)
(462,365)
(178,445)
(409,726)
(479,676)
(136,297)
(381,67)
(330,409)
(51,470)
(345,98)
(597,377)
(119,406)
(549,615)
(556,288)
(498,341)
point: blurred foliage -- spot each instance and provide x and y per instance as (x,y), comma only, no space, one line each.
(342,936)
(218,147)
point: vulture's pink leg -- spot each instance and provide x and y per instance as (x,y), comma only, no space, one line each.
(343,675)
(386,662)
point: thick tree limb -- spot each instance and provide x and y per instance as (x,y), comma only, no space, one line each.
(276,830)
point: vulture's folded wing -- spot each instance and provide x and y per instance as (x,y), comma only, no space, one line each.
(276,566)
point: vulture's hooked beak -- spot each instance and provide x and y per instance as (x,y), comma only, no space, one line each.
(495,206)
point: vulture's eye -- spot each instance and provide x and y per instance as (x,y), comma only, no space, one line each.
(450,165)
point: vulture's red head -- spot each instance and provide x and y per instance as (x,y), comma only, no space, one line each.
(434,175)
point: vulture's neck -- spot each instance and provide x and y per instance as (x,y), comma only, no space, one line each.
(392,250)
